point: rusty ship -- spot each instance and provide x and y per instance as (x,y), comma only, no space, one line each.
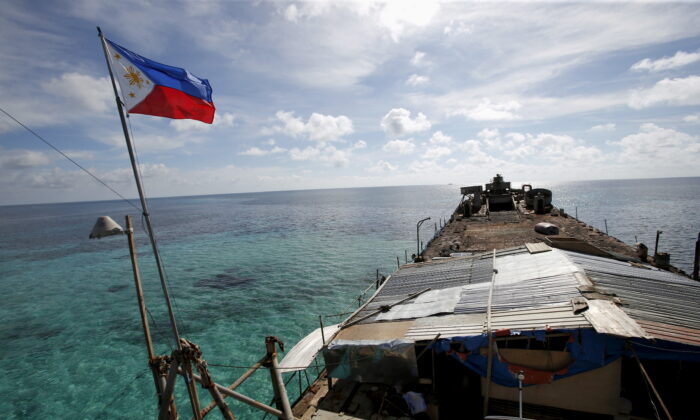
(515,309)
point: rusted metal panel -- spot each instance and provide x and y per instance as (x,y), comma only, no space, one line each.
(668,332)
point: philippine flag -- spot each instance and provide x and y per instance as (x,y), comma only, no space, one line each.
(152,88)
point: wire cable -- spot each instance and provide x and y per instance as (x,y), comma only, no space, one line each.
(67,157)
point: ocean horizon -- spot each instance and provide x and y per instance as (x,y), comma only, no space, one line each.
(240,267)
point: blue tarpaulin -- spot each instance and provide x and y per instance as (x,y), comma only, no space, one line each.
(589,350)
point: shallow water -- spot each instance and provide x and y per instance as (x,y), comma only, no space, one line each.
(240,267)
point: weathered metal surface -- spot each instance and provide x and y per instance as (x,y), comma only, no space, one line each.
(447,326)
(303,353)
(668,332)
(646,293)
(607,318)
(539,318)
(537,247)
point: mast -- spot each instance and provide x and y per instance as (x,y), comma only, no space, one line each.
(187,372)
(139,187)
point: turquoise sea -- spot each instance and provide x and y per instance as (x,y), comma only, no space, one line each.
(240,267)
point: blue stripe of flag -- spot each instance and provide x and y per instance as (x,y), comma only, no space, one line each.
(169,76)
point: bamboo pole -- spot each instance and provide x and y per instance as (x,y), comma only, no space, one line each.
(651,384)
(142,304)
(169,388)
(236,383)
(240,397)
(489,365)
(277,381)
(208,383)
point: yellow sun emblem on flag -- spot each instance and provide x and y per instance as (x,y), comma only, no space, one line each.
(134,77)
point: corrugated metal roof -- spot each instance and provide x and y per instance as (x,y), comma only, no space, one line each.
(447,326)
(540,318)
(607,318)
(647,294)
(534,291)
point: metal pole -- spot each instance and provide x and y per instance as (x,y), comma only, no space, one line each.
(420,222)
(576,212)
(521,376)
(139,187)
(398,263)
(656,247)
(696,263)
(489,362)
(606,226)
(192,391)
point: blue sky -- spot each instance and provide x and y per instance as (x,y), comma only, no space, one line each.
(343,94)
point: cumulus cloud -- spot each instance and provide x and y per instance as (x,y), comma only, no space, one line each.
(455,28)
(488,111)
(417,80)
(256,151)
(93,93)
(439,138)
(326,154)
(382,167)
(680,59)
(22,158)
(319,127)
(678,91)
(399,16)
(438,152)
(402,147)
(522,147)
(656,144)
(398,123)
(602,127)
(419,59)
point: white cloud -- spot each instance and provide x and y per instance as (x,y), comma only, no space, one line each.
(693,118)
(21,158)
(487,111)
(398,123)
(654,144)
(93,93)
(439,138)
(417,80)
(321,128)
(419,59)
(603,127)
(220,120)
(324,154)
(678,91)
(382,167)
(254,151)
(399,16)
(680,59)
(402,147)
(438,152)
(455,28)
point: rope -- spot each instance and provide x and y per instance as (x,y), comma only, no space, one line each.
(71,160)
(121,394)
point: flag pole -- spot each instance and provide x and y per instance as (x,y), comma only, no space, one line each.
(139,187)
(189,379)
